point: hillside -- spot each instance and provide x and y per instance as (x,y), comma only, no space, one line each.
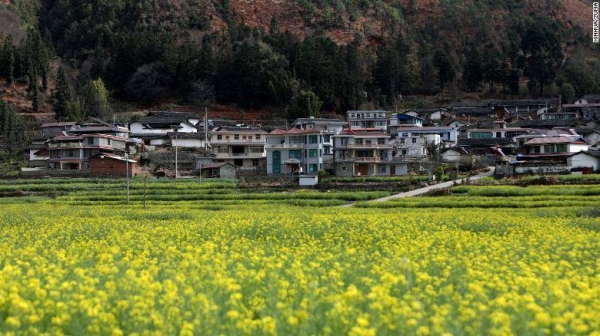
(265,55)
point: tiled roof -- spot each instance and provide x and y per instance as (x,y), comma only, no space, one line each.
(61,124)
(544,123)
(554,140)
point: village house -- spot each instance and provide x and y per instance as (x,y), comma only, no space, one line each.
(295,151)
(155,127)
(329,128)
(367,119)
(242,146)
(73,152)
(366,152)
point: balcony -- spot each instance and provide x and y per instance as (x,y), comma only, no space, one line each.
(285,145)
(215,141)
(240,155)
(65,145)
(359,146)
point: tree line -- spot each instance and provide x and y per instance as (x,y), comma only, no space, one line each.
(149,55)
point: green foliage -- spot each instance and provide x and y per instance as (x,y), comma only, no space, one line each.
(95,99)
(7,60)
(472,70)
(542,51)
(149,51)
(306,104)
(445,72)
(567,93)
(12,130)
(62,97)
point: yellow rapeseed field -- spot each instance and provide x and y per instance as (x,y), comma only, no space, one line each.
(284,270)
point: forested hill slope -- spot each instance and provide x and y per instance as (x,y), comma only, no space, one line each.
(336,54)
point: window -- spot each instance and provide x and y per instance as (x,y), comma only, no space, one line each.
(108,141)
(312,168)
(414,140)
(381,141)
(381,169)
(404,134)
(255,163)
(236,137)
(90,141)
(344,168)
(344,141)
(326,150)
(295,154)
(358,141)
(327,138)
(312,153)
(223,150)
(219,137)
(402,140)
(312,139)
(257,136)
(481,135)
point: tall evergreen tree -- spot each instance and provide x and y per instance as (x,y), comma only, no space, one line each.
(445,72)
(393,73)
(542,51)
(7,60)
(62,96)
(473,69)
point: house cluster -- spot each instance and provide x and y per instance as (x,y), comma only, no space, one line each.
(522,136)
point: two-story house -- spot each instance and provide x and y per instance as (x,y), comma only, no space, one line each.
(241,146)
(366,152)
(73,152)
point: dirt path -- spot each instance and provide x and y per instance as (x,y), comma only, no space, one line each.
(424,190)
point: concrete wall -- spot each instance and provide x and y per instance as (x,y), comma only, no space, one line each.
(583,160)
(227,171)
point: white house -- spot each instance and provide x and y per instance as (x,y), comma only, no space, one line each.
(368,119)
(241,146)
(588,159)
(155,126)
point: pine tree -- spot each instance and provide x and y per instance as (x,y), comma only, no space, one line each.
(62,96)
(7,60)
(473,70)
(445,72)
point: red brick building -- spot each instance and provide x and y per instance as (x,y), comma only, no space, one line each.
(112,165)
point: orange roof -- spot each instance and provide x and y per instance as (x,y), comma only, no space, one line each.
(277,131)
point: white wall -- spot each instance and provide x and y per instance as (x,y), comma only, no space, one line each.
(584,160)
(573,148)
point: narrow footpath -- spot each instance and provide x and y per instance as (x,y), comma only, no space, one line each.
(424,190)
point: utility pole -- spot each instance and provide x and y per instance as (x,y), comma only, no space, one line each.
(145,180)
(127,172)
